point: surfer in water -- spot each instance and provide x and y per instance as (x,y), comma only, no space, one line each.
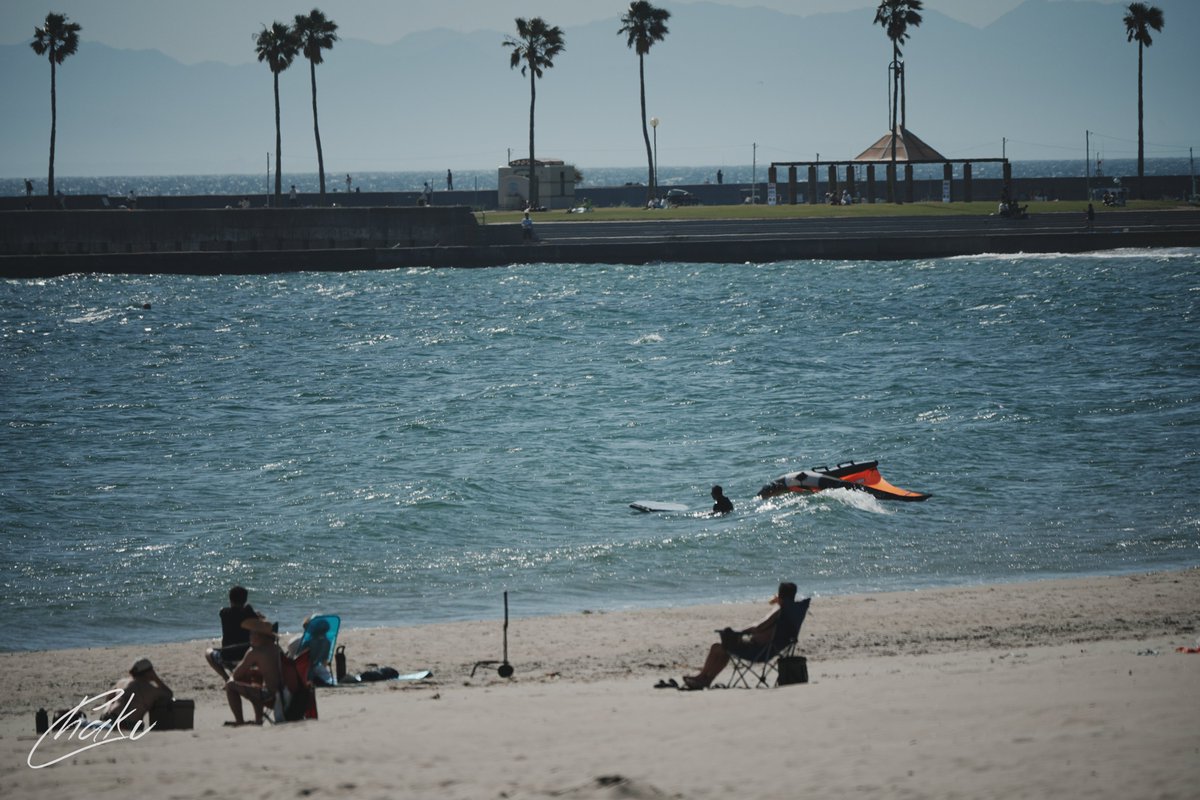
(722,504)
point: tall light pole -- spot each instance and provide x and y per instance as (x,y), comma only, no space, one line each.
(1192,166)
(754,174)
(654,166)
(1087,164)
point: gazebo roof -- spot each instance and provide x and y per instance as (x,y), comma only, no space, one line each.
(909,148)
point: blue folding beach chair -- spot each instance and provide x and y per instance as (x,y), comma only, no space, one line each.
(320,640)
(760,662)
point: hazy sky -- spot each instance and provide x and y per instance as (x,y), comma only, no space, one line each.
(448,101)
(221,30)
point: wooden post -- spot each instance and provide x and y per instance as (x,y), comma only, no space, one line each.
(812,184)
(966,181)
(792,184)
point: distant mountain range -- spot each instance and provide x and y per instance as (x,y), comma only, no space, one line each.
(723,80)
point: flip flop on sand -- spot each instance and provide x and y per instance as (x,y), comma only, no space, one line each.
(232,723)
(667,684)
(691,684)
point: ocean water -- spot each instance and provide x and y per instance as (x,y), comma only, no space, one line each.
(401,447)
(486,179)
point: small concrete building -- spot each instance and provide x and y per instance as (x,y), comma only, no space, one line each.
(556,184)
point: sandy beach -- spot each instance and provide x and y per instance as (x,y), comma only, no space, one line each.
(1060,688)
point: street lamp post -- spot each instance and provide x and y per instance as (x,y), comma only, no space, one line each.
(654,166)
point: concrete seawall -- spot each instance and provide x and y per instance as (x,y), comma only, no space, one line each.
(33,233)
(697,251)
(219,241)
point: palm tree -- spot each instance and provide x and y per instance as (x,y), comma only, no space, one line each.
(534,49)
(1139,19)
(316,33)
(278,46)
(60,39)
(896,16)
(643,25)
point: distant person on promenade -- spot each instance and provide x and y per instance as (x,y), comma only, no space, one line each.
(257,677)
(723,504)
(140,691)
(131,198)
(1091,217)
(28,194)
(449,181)
(527,228)
(427,194)
(293,195)
(348,182)
(720,177)
(235,639)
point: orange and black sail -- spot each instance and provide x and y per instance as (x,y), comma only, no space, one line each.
(859,476)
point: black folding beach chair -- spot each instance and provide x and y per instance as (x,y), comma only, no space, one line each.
(760,662)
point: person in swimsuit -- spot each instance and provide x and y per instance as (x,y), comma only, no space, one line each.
(140,691)
(257,677)
(744,642)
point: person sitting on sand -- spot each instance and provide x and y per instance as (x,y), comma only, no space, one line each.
(745,643)
(257,678)
(235,639)
(139,692)
(723,504)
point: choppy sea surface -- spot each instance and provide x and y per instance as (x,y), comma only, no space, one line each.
(485,179)
(401,447)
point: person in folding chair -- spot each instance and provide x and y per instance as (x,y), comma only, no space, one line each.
(235,640)
(757,646)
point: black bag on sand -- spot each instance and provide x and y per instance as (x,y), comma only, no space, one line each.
(792,669)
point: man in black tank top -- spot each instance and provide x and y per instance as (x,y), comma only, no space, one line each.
(235,639)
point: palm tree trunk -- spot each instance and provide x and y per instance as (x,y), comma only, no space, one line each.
(278,143)
(53,124)
(895,101)
(653,168)
(1141,140)
(533,178)
(317,128)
